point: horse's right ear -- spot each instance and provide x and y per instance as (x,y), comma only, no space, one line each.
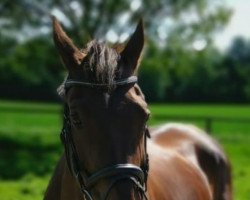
(70,54)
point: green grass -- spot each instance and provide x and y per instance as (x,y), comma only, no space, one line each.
(234,129)
(30,187)
(217,110)
(28,106)
(30,145)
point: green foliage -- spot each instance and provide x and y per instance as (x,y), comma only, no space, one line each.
(31,69)
(186,75)
(151,78)
(238,59)
(172,70)
(84,18)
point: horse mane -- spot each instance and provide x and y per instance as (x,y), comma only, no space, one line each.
(100,64)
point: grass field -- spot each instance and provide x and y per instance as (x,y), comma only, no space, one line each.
(30,145)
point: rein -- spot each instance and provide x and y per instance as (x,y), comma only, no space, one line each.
(119,172)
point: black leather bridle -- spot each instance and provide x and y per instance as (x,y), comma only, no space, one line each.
(119,172)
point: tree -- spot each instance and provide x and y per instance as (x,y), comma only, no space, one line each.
(237,61)
(172,27)
(193,18)
(28,71)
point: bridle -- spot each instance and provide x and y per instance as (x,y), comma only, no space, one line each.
(118,172)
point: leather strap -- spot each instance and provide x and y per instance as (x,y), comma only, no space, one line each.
(116,170)
(71,82)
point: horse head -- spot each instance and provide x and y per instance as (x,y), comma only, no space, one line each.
(107,115)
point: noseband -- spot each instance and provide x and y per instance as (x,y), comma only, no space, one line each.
(119,172)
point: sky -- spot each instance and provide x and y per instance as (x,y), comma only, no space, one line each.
(239,24)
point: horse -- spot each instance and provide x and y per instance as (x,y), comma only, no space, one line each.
(109,151)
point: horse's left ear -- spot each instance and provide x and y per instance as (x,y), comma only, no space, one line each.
(130,56)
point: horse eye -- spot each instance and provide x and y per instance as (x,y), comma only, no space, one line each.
(75,119)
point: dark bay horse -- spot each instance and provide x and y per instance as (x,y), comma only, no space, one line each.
(108,153)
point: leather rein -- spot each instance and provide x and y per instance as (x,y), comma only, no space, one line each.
(119,172)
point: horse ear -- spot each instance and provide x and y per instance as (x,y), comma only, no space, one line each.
(69,53)
(130,56)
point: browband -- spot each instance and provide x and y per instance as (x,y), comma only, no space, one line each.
(70,82)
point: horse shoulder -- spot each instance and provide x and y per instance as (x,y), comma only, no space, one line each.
(187,139)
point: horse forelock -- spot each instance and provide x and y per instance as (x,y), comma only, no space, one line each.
(100,65)
(101,62)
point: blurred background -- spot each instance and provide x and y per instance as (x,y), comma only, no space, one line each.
(195,69)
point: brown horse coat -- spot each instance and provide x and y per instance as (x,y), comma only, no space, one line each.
(177,172)
(184,162)
(202,151)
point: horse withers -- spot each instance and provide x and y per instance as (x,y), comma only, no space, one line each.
(108,150)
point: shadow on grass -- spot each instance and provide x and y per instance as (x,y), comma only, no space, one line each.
(27,155)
